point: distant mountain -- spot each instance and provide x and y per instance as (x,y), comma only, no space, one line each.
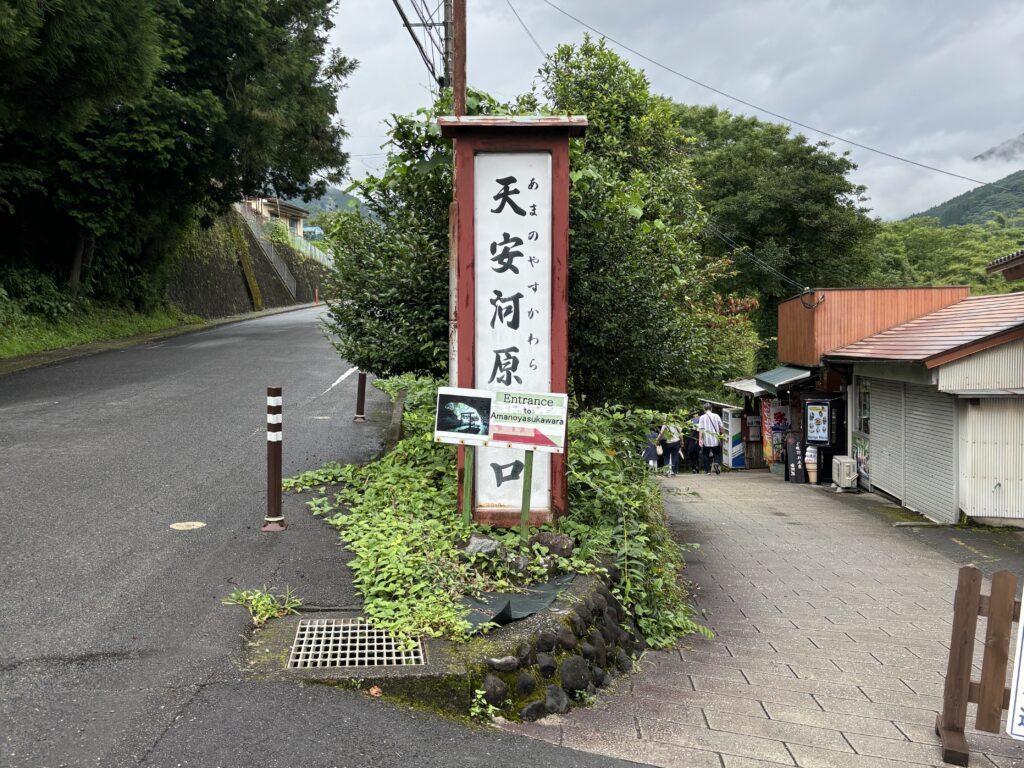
(1006,152)
(980,205)
(333,199)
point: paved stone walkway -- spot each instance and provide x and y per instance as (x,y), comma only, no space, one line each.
(832,633)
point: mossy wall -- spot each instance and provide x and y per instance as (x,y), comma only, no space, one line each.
(206,277)
(220,271)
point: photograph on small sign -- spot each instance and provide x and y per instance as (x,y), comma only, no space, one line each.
(463,415)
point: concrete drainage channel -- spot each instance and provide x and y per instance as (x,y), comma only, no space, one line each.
(527,669)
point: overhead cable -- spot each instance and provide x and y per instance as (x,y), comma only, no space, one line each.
(770,112)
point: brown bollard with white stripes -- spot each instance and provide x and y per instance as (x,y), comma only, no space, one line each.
(361,398)
(274,521)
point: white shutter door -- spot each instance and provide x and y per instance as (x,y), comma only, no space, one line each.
(930,451)
(886,440)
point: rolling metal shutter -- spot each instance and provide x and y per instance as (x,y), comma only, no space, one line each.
(930,451)
(886,440)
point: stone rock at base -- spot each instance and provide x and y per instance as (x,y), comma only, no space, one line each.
(591,690)
(579,626)
(504,664)
(525,654)
(609,630)
(641,642)
(575,674)
(555,700)
(557,543)
(613,574)
(591,605)
(479,544)
(566,638)
(521,563)
(600,648)
(546,641)
(546,664)
(525,684)
(599,677)
(627,643)
(588,652)
(622,660)
(600,603)
(495,690)
(535,710)
(585,614)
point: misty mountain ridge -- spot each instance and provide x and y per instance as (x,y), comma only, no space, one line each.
(1008,151)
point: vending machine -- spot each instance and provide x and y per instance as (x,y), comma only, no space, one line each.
(825,428)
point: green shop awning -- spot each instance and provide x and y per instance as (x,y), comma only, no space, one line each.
(781,378)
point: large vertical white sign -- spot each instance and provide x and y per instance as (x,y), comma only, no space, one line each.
(512,267)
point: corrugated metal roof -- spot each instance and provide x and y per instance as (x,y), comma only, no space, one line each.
(780,378)
(972,320)
(1003,261)
(746,386)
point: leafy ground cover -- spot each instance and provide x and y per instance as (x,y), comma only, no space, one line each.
(24,333)
(398,516)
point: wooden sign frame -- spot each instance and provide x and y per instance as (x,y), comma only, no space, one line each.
(505,134)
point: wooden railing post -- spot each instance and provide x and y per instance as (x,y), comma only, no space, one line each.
(997,651)
(951,721)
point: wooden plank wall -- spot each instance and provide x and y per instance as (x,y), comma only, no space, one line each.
(846,315)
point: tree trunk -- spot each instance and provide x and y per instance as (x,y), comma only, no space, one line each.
(75,278)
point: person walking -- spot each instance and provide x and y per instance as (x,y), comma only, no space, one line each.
(673,442)
(710,429)
(653,451)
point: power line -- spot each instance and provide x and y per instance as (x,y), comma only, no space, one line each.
(750,255)
(770,112)
(526,28)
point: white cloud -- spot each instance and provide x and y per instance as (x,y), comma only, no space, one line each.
(938,81)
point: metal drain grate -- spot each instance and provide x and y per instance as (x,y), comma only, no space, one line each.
(348,643)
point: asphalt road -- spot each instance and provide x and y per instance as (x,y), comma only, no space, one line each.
(115,649)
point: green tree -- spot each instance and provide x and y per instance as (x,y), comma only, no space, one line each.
(243,102)
(787,199)
(948,255)
(643,314)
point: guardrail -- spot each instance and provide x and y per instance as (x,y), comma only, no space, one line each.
(309,248)
(255,224)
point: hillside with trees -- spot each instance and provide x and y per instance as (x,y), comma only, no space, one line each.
(1003,198)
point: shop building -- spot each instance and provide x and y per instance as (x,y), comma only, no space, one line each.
(805,402)
(936,409)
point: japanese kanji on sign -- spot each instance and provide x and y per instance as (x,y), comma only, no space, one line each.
(512,231)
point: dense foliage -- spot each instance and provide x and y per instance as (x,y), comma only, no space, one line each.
(154,112)
(398,516)
(920,251)
(787,199)
(979,206)
(643,313)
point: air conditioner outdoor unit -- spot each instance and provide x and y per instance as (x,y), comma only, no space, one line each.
(844,471)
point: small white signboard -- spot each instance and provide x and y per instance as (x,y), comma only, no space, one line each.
(1015,714)
(527,421)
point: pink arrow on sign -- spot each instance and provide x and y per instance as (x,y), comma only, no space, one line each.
(524,436)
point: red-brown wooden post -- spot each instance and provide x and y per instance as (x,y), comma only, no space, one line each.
(951,721)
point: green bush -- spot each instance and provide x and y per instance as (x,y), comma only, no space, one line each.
(401,523)
(36,293)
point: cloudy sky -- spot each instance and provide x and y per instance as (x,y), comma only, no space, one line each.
(936,81)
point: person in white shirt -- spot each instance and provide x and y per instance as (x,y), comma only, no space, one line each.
(709,429)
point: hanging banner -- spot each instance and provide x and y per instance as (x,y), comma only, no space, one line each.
(512,267)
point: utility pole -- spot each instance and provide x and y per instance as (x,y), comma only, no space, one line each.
(449,34)
(455,76)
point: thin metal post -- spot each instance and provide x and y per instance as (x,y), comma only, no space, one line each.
(274,520)
(524,519)
(361,398)
(467,485)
